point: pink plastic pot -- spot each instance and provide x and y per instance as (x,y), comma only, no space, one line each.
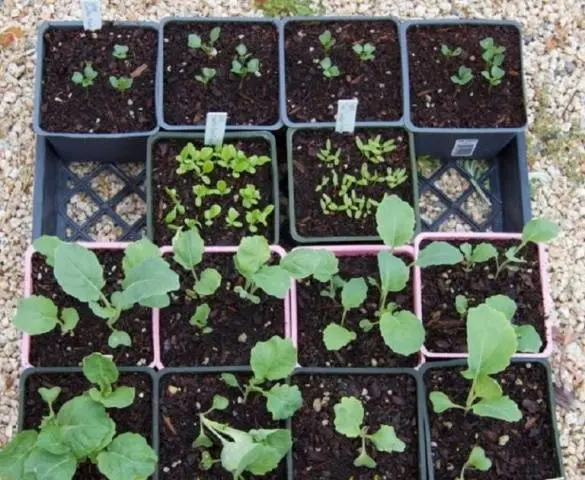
(346,251)
(488,237)
(28,290)
(227,250)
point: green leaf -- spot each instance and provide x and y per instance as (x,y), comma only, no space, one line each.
(46,246)
(48,466)
(364,460)
(402,331)
(128,457)
(104,312)
(478,460)
(214,34)
(188,248)
(540,230)
(501,408)
(366,325)
(528,339)
(385,440)
(202,441)
(208,283)
(483,252)
(395,221)
(335,337)
(119,338)
(441,402)
(438,253)
(487,387)
(283,401)
(349,416)
(14,454)
(230,379)
(50,440)
(273,359)
(461,304)
(78,272)
(49,395)
(70,319)
(274,280)
(101,370)
(137,252)
(122,397)
(253,253)
(36,315)
(220,403)
(279,439)
(353,293)
(326,265)
(237,456)
(300,263)
(394,274)
(150,278)
(199,318)
(502,304)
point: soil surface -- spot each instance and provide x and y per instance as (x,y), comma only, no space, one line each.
(445,328)
(136,418)
(309,170)
(98,108)
(91,333)
(315,312)
(320,452)
(528,449)
(237,324)
(165,174)
(376,84)
(182,397)
(435,101)
(248,101)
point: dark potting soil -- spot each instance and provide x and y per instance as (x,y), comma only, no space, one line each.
(445,328)
(308,172)
(91,333)
(165,174)
(136,418)
(182,397)
(320,452)
(376,84)
(435,101)
(237,324)
(523,449)
(248,101)
(99,108)
(315,312)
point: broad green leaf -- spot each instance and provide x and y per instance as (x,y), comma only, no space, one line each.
(483,252)
(128,457)
(349,416)
(300,263)
(491,341)
(279,439)
(395,221)
(273,359)
(501,408)
(354,293)
(101,370)
(441,402)
(253,253)
(326,265)
(49,439)
(439,253)
(48,466)
(237,456)
(78,272)
(394,274)
(487,387)
(385,440)
(137,252)
(402,331)
(118,338)
(188,248)
(540,230)
(208,283)
(121,397)
(151,277)
(283,401)
(335,337)
(230,379)
(104,312)
(220,403)
(528,339)
(461,304)
(199,318)
(36,315)
(478,460)
(466,249)
(70,319)
(274,280)
(14,454)
(265,461)
(156,301)
(46,246)
(503,304)
(364,460)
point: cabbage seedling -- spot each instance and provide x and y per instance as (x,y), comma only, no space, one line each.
(255,217)
(349,419)
(211,213)
(330,70)
(448,52)
(101,370)
(365,51)
(374,149)
(477,460)
(463,76)
(493,54)
(206,75)
(121,83)
(479,254)
(194,41)
(243,65)
(493,75)
(232,218)
(327,41)
(250,195)
(120,52)
(199,161)
(85,78)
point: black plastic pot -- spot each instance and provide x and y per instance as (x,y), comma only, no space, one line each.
(455,363)
(97,147)
(370,371)
(442,141)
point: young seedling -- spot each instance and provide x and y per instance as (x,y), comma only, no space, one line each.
(85,78)
(330,70)
(349,419)
(461,305)
(258,217)
(211,213)
(493,54)
(198,161)
(395,177)
(147,281)
(448,52)
(327,155)
(177,208)
(463,76)
(200,319)
(365,51)
(493,75)
(227,156)
(271,361)
(243,65)
(249,195)
(101,370)
(120,52)
(327,41)
(477,460)
(206,75)
(121,83)
(194,41)
(374,149)
(479,254)
(232,218)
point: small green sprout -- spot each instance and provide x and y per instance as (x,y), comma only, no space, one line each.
(327,155)
(463,77)
(120,52)
(493,75)
(461,305)
(349,420)
(395,177)
(365,51)
(477,460)
(194,41)
(86,78)
(258,217)
(211,213)
(206,75)
(374,149)
(330,70)
(250,195)
(121,83)
(243,65)
(492,54)
(200,318)
(199,161)
(232,218)
(327,40)
(177,208)
(479,254)
(448,52)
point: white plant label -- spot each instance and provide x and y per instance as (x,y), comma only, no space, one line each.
(346,113)
(91,11)
(464,147)
(215,128)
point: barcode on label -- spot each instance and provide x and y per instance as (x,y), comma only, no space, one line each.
(215,128)
(91,11)
(464,147)
(346,113)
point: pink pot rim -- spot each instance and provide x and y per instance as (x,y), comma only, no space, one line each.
(347,251)
(216,249)
(544,280)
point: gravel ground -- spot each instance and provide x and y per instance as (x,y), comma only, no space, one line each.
(555,74)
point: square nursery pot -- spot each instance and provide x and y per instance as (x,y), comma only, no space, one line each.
(184,106)
(303,179)
(308,98)
(533,443)
(177,328)
(356,261)
(78,200)
(97,142)
(539,305)
(142,351)
(474,129)
(140,417)
(261,143)
(388,396)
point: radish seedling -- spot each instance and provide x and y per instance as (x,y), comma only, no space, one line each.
(206,75)
(365,51)
(194,41)
(243,65)
(448,52)
(327,41)
(330,70)
(121,83)
(120,52)
(477,460)
(85,78)
(463,76)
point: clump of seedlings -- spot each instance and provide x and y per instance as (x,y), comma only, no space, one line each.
(194,41)
(147,281)
(81,431)
(86,77)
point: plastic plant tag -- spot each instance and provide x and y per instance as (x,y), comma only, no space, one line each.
(464,147)
(215,128)
(91,11)
(346,113)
